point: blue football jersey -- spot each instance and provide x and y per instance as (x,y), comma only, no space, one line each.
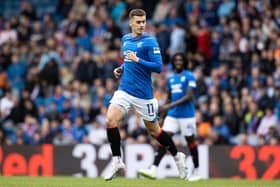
(136,77)
(177,84)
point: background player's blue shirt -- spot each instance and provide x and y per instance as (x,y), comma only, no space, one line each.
(177,85)
(136,77)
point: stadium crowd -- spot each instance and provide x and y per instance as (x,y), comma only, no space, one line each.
(56,70)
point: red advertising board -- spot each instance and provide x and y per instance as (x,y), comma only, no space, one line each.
(92,161)
(245,162)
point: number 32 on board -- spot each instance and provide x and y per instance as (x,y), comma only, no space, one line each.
(265,154)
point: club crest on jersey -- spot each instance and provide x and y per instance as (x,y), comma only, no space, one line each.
(139,44)
(156,50)
(182,79)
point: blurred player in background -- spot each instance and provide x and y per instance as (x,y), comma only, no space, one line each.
(180,115)
(141,58)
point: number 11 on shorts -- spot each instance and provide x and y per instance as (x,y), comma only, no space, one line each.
(150,108)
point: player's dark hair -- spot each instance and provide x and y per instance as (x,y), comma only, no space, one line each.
(136,12)
(181,55)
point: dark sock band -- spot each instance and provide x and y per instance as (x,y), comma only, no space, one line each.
(167,142)
(194,152)
(159,155)
(114,139)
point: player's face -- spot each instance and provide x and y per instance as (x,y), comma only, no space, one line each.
(137,24)
(178,63)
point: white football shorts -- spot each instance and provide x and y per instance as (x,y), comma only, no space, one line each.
(146,108)
(187,126)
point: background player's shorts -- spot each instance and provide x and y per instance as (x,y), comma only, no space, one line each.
(146,108)
(187,126)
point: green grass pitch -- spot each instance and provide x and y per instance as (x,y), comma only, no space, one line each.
(123,182)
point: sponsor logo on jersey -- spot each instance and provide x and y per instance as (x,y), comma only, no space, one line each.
(176,88)
(156,50)
(125,57)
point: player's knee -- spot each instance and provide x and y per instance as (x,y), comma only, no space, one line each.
(152,128)
(111,120)
(153,132)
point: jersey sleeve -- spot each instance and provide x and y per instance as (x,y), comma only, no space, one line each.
(155,60)
(191,81)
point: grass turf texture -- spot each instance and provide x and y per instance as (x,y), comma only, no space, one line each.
(123,182)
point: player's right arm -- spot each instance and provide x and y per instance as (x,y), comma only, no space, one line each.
(188,96)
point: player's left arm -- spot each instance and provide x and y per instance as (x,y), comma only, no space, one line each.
(155,62)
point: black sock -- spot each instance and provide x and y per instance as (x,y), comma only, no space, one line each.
(159,155)
(167,142)
(114,139)
(194,153)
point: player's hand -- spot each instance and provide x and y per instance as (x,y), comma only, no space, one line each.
(163,108)
(131,56)
(118,72)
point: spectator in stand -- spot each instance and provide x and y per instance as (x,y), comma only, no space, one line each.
(16,74)
(97,133)
(59,139)
(4,84)
(67,131)
(79,9)
(220,131)
(267,122)
(8,34)
(83,39)
(177,36)
(231,119)
(28,11)
(20,137)
(225,8)
(79,131)
(6,104)
(87,69)
(161,10)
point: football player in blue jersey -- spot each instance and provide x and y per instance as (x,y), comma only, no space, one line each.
(180,115)
(141,57)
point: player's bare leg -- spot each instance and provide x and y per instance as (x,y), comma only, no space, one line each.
(165,140)
(113,117)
